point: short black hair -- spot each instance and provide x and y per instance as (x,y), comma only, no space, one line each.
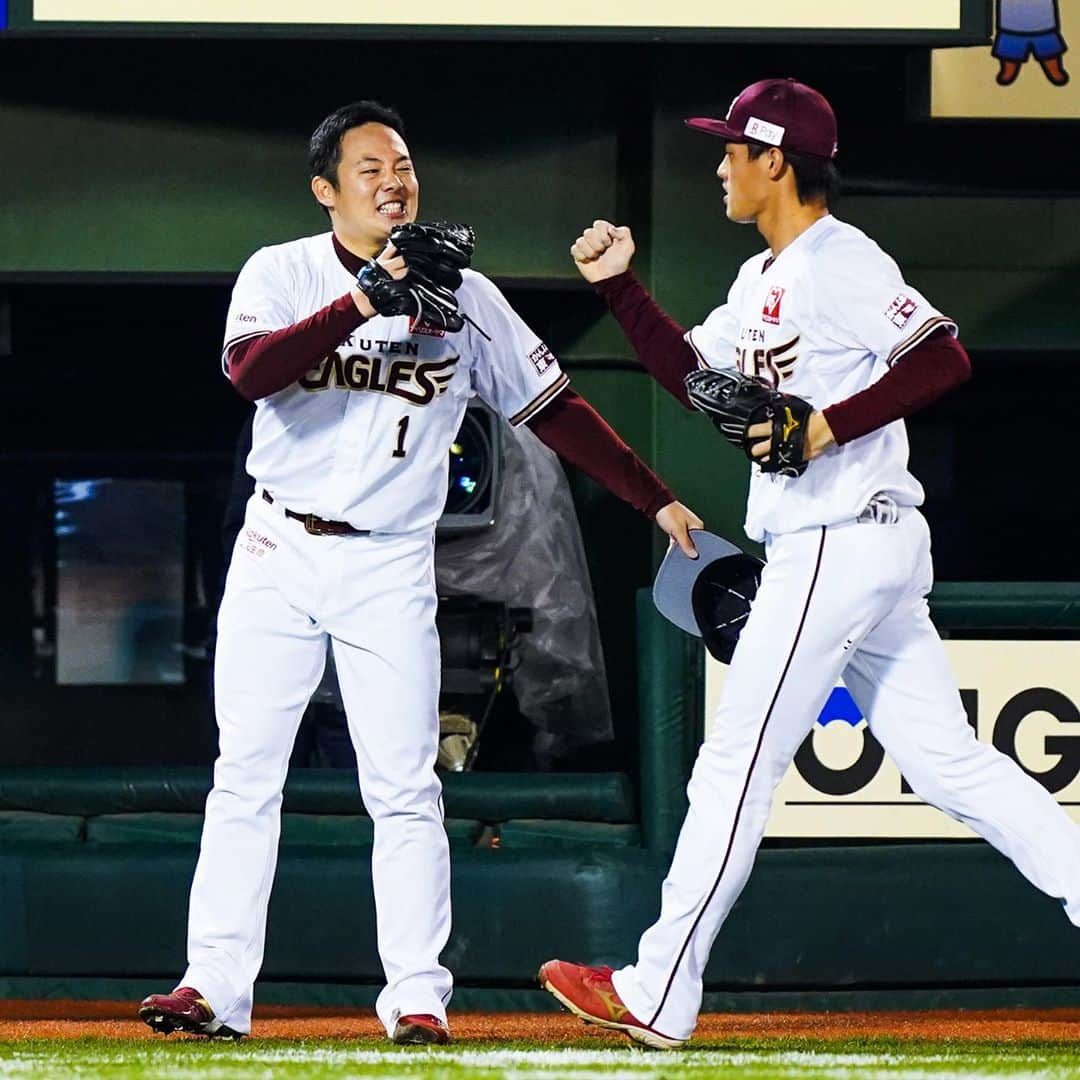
(816,178)
(324,154)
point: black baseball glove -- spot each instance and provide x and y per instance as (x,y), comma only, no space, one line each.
(427,302)
(735,402)
(435,250)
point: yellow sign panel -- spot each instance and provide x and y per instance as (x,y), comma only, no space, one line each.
(777,15)
(1023,75)
(1023,697)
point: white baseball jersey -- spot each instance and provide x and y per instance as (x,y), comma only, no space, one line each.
(823,320)
(364,436)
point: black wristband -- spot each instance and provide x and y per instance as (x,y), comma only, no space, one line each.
(370,276)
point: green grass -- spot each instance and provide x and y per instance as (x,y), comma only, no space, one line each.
(758,1059)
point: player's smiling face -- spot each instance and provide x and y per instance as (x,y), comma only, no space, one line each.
(376,188)
(746,182)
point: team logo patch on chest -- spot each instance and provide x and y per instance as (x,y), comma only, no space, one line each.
(901,310)
(770,313)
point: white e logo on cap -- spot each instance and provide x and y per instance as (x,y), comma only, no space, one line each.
(763,131)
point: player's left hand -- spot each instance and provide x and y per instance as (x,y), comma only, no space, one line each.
(819,438)
(435,250)
(677,521)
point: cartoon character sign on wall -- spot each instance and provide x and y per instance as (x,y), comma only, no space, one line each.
(1029,28)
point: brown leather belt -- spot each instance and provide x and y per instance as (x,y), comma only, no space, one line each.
(318,526)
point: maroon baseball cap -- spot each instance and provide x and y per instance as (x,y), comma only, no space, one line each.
(777,112)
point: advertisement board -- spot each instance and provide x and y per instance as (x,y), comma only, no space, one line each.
(1020,696)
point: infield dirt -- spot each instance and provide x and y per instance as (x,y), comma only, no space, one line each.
(113,1019)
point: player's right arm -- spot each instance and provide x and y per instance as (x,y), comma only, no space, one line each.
(265,349)
(602,255)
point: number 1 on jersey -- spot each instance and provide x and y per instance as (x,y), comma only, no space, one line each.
(402,428)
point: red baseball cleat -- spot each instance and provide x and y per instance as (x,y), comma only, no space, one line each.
(185,1009)
(419,1028)
(589,994)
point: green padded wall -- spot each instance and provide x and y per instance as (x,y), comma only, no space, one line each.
(671,711)
(1038,606)
(914,916)
(492,796)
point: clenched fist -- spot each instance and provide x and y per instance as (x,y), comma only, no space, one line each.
(603,250)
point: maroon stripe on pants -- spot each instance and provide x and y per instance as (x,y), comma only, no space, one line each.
(746,784)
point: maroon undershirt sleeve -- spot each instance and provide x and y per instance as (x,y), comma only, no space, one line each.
(578,433)
(918,378)
(264,365)
(657,339)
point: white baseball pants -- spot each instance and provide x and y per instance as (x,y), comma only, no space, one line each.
(373,598)
(846,600)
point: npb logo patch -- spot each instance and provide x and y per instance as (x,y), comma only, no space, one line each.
(542,358)
(899,312)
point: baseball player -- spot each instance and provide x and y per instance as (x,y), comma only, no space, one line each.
(361,369)
(823,314)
